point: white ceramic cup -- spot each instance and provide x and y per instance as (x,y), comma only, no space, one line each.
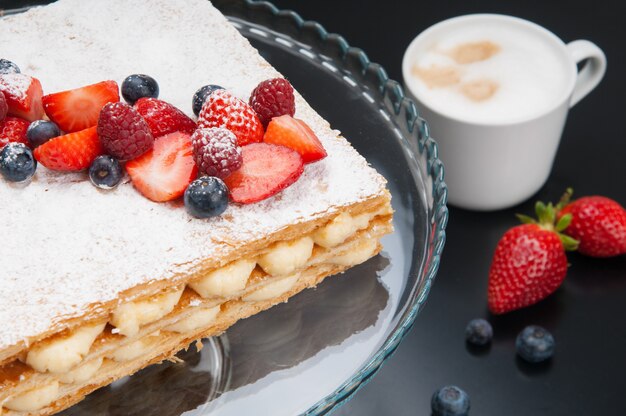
(498,165)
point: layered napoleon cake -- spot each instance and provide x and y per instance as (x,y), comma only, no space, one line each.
(96,285)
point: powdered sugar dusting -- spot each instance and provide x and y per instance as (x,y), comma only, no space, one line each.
(67,245)
(15,85)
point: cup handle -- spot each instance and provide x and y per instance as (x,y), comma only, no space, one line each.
(591,73)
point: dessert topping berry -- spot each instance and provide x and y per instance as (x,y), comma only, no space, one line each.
(529,262)
(137,86)
(105,172)
(478,332)
(13,130)
(266,170)
(297,135)
(23,96)
(273,98)
(8,67)
(535,344)
(201,95)
(17,163)
(450,401)
(222,109)
(124,134)
(79,108)
(206,197)
(163,118)
(163,173)
(40,131)
(71,152)
(216,152)
(598,223)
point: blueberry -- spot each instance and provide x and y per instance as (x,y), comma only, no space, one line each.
(206,197)
(478,332)
(450,401)
(40,131)
(8,67)
(137,86)
(105,172)
(535,344)
(201,95)
(17,163)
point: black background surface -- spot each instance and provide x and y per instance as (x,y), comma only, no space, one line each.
(586,315)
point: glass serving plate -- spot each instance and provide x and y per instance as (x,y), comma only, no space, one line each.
(313,353)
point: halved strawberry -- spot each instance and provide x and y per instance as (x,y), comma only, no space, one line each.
(163,173)
(78,109)
(23,96)
(71,152)
(266,170)
(163,118)
(297,135)
(13,129)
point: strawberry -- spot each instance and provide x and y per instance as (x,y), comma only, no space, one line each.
(163,173)
(163,118)
(71,152)
(222,109)
(529,262)
(13,129)
(23,96)
(4,108)
(79,108)
(296,134)
(599,223)
(266,170)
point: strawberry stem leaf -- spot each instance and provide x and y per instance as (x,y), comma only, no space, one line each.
(565,198)
(569,243)
(564,222)
(525,219)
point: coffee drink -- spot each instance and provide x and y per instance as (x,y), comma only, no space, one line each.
(492,73)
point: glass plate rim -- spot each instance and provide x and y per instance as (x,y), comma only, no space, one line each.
(392,93)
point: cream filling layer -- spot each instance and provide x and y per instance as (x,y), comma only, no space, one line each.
(60,355)
(128,317)
(287,256)
(201,318)
(34,399)
(82,373)
(272,290)
(225,281)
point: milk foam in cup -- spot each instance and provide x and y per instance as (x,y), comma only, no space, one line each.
(495,91)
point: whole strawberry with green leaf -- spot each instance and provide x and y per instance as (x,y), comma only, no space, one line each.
(529,262)
(599,223)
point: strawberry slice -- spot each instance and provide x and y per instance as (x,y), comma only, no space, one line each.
(163,118)
(13,129)
(78,109)
(163,173)
(23,96)
(297,135)
(266,170)
(71,152)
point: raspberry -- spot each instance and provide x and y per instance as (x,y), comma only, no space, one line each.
(216,152)
(273,98)
(124,134)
